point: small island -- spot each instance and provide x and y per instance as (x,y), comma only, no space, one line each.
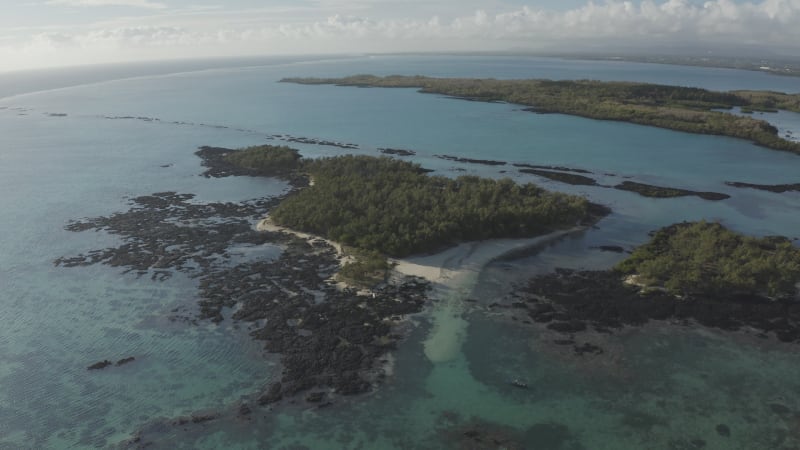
(697,271)
(379,207)
(687,109)
(396,208)
(381,204)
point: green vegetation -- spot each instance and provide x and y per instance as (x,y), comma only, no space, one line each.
(706,258)
(393,207)
(268,160)
(368,268)
(676,108)
(384,206)
(769,101)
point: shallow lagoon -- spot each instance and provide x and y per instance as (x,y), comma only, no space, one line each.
(664,387)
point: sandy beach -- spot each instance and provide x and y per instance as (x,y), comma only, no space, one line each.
(447,268)
(450,266)
(452,272)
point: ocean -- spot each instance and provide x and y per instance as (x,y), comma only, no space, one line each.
(82,143)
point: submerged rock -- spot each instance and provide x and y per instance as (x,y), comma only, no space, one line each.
(568,178)
(100,365)
(570,300)
(315,397)
(777,188)
(125,360)
(272,395)
(648,190)
(397,151)
(486,162)
(610,248)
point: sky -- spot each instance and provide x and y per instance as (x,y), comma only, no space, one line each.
(47,33)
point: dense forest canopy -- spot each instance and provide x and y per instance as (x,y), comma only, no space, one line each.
(707,258)
(396,208)
(688,109)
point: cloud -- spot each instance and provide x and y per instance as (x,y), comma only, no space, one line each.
(132,3)
(612,26)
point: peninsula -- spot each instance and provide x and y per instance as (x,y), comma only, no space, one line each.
(692,110)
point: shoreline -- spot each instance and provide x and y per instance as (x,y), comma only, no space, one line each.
(452,273)
(448,266)
(546,96)
(444,268)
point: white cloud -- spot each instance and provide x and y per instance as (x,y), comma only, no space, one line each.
(609,26)
(133,3)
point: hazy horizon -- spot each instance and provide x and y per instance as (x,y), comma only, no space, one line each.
(57,33)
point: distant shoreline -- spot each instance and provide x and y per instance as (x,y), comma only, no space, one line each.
(677,108)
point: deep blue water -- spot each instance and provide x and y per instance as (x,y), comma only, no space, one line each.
(661,387)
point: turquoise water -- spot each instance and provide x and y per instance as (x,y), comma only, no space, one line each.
(660,387)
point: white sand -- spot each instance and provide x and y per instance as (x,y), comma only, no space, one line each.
(267,225)
(454,273)
(451,265)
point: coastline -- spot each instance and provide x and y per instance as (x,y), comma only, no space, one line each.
(452,273)
(445,268)
(449,266)
(607,101)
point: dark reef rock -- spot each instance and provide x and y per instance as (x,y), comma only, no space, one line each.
(332,343)
(326,337)
(486,162)
(569,178)
(587,348)
(203,417)
(100,365)
(125,360)
(538,110)
(648,190)
(164,232)
(569,301)
(572,326)
(478,434)
(610,248)
(397,151)
(556,168)
(315,397)
(272,395)
(777,188)
(779,409)
(312,141)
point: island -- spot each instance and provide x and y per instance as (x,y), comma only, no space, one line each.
(688,272)
(687,109)
(397,208)
(324,298)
